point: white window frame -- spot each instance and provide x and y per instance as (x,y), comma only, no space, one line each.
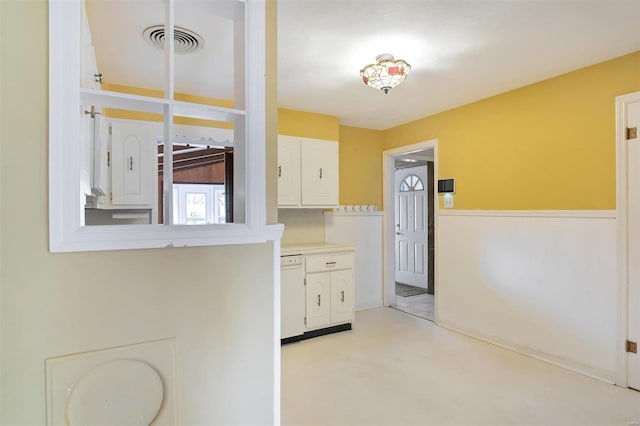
(212,192)
(65,204)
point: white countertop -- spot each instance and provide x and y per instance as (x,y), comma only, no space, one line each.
(314,248)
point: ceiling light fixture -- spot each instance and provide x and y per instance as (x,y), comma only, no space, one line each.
(386,73)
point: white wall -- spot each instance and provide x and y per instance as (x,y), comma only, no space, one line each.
(217,302)
(543,283)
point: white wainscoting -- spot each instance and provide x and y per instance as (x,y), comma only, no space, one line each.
(542,283)
(364,231)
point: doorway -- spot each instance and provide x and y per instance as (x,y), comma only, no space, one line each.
(410,232)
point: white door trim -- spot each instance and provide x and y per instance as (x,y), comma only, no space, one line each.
(388,218)
(621,209)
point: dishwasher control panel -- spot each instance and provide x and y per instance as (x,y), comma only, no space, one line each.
(291,260)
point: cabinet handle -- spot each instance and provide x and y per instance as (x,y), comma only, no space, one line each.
(318,300)
(130,163)
(320,172)
(330,263)
(279,171)
(342,296)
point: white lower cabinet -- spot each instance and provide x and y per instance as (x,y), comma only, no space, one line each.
(318,300)
(342,300)
(329,290)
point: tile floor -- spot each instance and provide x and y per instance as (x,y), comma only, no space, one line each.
(397,369)
(420,305)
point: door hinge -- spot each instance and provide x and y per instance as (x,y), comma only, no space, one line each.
(305,320)
(632,132)
(110,130)
(632,347)
(305,281)
(111,196)
(108,158)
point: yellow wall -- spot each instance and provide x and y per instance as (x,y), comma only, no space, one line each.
(308,124)
(360,166)
(218,309)
(147,116)
(547,146)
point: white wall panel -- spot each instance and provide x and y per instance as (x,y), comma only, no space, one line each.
(540,284)
(364,231)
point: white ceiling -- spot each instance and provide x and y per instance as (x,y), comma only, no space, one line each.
(460,51)
(124,57)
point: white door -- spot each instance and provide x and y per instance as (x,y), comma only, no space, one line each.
(633,241)
(411,226)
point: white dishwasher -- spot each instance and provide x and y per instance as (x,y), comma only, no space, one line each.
(292,297)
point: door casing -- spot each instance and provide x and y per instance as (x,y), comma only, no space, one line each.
(388,217)
(621,378)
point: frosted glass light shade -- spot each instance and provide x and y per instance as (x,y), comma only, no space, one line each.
(386,73)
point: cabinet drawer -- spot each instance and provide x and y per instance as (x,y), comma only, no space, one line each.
(328,262)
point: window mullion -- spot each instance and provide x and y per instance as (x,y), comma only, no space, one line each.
(167,181)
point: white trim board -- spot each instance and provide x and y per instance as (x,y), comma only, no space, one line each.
(621,378)
(591,214)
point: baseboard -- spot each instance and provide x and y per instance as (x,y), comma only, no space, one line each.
(574,366)
(371,305)
(316,333)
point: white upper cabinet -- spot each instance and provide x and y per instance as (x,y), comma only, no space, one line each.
(319,175)
(288,171)
(307,173)
(134,154)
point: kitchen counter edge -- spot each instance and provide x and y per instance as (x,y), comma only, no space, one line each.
(314,248)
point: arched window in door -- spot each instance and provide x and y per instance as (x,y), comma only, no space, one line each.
(411,183)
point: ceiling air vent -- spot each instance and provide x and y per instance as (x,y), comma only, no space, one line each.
(186,41)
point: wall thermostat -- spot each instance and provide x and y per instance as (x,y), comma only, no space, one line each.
(446,186)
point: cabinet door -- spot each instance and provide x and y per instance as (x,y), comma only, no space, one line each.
(342,298)
(134,169)
(318,301)
(288,171)
(101,157)
(319,172)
